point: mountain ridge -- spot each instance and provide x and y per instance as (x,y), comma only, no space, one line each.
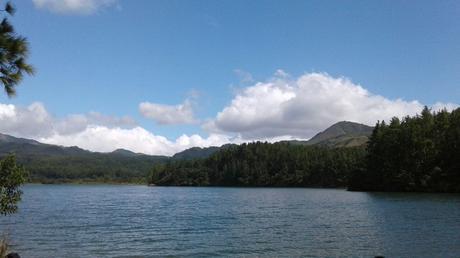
(341,129)
(51,162)
(54,163)
(341,134)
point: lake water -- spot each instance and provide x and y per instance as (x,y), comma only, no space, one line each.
(140,221)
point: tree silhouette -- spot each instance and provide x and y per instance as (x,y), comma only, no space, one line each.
(13,54)
(14,50)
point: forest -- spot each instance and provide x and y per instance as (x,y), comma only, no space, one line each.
(263,164)
(419,153)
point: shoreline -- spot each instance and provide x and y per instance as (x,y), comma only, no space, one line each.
(238,187)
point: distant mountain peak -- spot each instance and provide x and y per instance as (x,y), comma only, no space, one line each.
(11,139)
(345,130)
(199,152)
(125,152)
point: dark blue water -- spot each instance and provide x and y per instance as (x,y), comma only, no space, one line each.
(138,221)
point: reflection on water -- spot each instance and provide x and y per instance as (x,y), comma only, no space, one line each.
(138,221)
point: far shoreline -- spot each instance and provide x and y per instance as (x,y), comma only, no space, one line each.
(94,183)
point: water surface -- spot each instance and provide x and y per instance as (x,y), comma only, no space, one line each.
(140,221)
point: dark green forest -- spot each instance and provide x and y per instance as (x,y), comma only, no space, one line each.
(420,153)
(47,163)
(95,168)
(264,164)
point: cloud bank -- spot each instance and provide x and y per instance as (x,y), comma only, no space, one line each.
(168,114)
(301,107)
(281,108)
(81,7)
(137,139)
(94,131)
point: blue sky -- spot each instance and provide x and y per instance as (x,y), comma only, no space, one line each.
(109,56)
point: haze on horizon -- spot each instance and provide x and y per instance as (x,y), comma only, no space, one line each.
(159,77)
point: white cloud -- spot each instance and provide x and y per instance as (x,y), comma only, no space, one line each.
(137,139)
(438,106)
(168,114)
(35,121)
(29,121)
(282,107)
(94,131)
(84,7)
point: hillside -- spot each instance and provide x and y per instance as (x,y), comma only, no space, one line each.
(341,134)
(52,163)
(197,152)
(264,164)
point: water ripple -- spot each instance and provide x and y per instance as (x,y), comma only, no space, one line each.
(139,221)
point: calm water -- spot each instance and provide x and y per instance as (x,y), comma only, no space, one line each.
(138,221)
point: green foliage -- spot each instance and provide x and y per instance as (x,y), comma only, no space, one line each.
(12,176)
(263,164)
(14,50)
(89,167)
(56,164)
(420,153)
(342,134)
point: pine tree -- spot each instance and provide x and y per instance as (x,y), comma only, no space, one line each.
(14,50)
(13,54)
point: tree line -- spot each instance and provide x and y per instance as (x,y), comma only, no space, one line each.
(263,164)
(93,167)
(419,153)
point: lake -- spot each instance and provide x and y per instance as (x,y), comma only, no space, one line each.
(141,221)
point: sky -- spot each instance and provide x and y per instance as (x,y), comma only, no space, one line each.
(158,77)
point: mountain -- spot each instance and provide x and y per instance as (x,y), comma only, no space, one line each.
(4,138)
(197,152)
(343,134)
(126,153)
(52,163)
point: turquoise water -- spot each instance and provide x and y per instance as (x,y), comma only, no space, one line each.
(140,221)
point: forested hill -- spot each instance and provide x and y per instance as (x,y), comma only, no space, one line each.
(341,134)
(420,153)
(264,164)
(52,163)
(198,153)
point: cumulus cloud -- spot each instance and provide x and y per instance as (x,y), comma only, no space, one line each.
(137,139)
(281,108)
(94,131)
(299,108)
(83,7)
(29,121)
(35,121)
(168,114)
